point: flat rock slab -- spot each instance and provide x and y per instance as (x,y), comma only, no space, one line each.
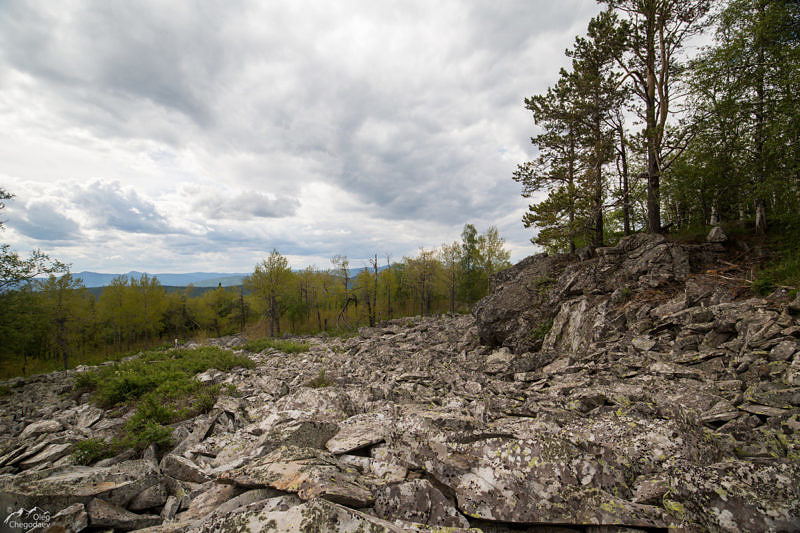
(358,432)
(181,468)
(54,489)
(280,516)
(418,501)
(308,472)
(104,514)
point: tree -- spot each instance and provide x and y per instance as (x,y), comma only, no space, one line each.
(15,270)
(597,97)
(268,281)
(745,90)
(556,169)
(450,256)
(655,32)
(494,257)
(473,281)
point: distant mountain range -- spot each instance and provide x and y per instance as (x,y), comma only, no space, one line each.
(198,279)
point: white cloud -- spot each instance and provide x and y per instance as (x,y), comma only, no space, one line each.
(198,137)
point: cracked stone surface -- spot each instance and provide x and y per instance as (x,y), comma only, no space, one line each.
(629,391)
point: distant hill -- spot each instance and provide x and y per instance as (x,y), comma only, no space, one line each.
(198,279)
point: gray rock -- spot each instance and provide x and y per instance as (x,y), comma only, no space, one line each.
(358,432)
(418,501)
(183,469)
(56,488)
(155,496)
(104,514)
(37,428)
(309,472)
(716,235)
(70,520)
(170,509)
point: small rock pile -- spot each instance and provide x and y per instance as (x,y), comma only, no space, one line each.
(631,391)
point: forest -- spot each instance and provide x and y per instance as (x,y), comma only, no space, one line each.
(55,322)
(674,116)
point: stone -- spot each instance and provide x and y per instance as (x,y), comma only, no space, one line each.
(183,469)
(104,514)
(418,501)
(59,487)
(49,454)
(155,496)
(37,428)
(309,472)
(69,520)
(716,235)
(170,509)
(358,432)
(279,516)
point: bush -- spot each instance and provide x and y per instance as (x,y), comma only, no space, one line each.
(320,381)
(162,388)
(541,331)
(282,345)
(91,450)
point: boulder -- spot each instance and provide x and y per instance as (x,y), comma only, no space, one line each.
(308,472)
(418,501)
(56,488)
(183,469)
(104,514)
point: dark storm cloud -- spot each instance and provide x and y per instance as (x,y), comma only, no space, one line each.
(110,206)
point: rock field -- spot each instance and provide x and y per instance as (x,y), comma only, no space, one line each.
(636,390)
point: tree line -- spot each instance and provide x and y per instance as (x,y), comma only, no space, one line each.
(56,319)
(637,136)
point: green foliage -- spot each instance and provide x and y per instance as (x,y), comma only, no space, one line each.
(161,387)
(5,390)
(320,381)
(282,345)
(91,450)
(541,331)
(542,284)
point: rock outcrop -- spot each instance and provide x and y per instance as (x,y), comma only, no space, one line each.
(635,390)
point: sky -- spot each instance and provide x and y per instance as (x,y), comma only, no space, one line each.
(171,136)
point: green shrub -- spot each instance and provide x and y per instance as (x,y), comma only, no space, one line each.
(91,450)
(161,387)
(541,331)
(763,286)
(320,381)
(282,345)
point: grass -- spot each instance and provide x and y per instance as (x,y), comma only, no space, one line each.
(282,345)
(320,381)
(161,387)
(541,331)
(784,269)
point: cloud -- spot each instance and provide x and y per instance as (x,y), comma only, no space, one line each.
(42,220)
(110,206)
(213,123)
(244,205)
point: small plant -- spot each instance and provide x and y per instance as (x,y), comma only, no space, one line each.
(763,286)
(320,381)
(282,345)
(5,390)
(542,284)
(626,292)
(162,389)
(540,332)
(91,450)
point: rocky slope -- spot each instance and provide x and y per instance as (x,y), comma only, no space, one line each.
(635,390)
